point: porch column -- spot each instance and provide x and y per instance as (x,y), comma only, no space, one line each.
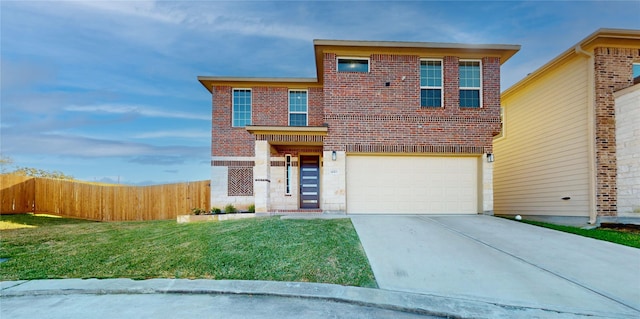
(334,195)
(261,175)
(487,185)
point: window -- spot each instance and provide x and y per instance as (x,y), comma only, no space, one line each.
(636,73)
(353,65)
(241,107)
(470,84)
(431,83)
(297,108)
(287,173)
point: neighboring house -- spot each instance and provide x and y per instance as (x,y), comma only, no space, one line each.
(570,141)
(385,127)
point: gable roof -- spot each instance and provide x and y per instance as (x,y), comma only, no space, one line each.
(365,48)
(621,38)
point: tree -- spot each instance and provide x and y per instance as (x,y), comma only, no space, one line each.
(6,161)
(36,172)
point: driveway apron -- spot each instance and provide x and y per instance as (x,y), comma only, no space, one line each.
(501,261)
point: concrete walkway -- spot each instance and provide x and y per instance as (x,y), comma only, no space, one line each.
(494,260)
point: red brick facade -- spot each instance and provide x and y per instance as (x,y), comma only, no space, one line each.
(270,107)
(363,113)
(613,72)
(361,110)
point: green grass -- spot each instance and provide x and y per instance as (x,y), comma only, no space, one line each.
(326,251)
(626,238)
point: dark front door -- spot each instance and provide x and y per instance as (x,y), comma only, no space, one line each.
(309,181)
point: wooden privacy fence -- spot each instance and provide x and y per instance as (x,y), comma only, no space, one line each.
(98,202)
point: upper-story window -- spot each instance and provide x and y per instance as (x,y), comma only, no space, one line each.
(241,107)
(470,84)
(353,65)
(298,107)
(431,83)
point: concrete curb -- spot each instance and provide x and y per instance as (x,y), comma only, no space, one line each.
(383,299)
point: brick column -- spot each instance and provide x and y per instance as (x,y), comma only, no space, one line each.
(261,175)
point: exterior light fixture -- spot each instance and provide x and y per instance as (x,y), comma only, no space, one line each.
(334,156)
(490,158)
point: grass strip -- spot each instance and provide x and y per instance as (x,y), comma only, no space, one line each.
(325,251)
(631,239)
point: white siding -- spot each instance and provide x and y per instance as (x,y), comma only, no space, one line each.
(543,154)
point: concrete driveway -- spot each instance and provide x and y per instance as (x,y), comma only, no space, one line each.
(500,261)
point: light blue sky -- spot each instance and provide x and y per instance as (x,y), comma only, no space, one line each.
(107,90)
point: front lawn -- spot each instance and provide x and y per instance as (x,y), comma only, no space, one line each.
(627,238)
(326,251)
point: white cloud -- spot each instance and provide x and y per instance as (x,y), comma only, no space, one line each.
(80,146)
(137,109)
(202,134)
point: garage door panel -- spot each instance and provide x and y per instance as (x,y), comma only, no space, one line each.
(411,185)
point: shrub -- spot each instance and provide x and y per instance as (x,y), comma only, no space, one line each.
(252,208)
(216,210)
(229,209)
(197,211)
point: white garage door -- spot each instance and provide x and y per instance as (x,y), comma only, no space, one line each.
(412,185)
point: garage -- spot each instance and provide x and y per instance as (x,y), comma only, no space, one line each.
(412,185)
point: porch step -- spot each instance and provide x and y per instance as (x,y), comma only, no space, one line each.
(289,211)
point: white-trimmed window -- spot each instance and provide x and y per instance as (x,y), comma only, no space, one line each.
(470,83)
(241,114)
(431,83)
(298,108)
(287,172)
(353,65)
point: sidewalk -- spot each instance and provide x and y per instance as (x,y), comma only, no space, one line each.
(180,298)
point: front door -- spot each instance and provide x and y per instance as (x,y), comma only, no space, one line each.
(309,181)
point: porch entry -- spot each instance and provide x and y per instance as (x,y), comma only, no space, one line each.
(309,181)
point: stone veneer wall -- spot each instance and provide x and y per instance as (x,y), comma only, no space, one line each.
(613,72)
(628,150)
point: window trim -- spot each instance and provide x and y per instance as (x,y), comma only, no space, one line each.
(353,58)
(233,117)
(441,87)
(289,106)
(480,93)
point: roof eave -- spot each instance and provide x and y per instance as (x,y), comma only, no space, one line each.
(587,43)
(210,81)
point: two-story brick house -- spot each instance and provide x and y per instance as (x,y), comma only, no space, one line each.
(385,127)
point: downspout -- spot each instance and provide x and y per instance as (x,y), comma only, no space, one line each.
(591,120)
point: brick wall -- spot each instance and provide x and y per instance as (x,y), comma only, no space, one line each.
(613,72)
(227,140)
(361,110)
(270,107)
